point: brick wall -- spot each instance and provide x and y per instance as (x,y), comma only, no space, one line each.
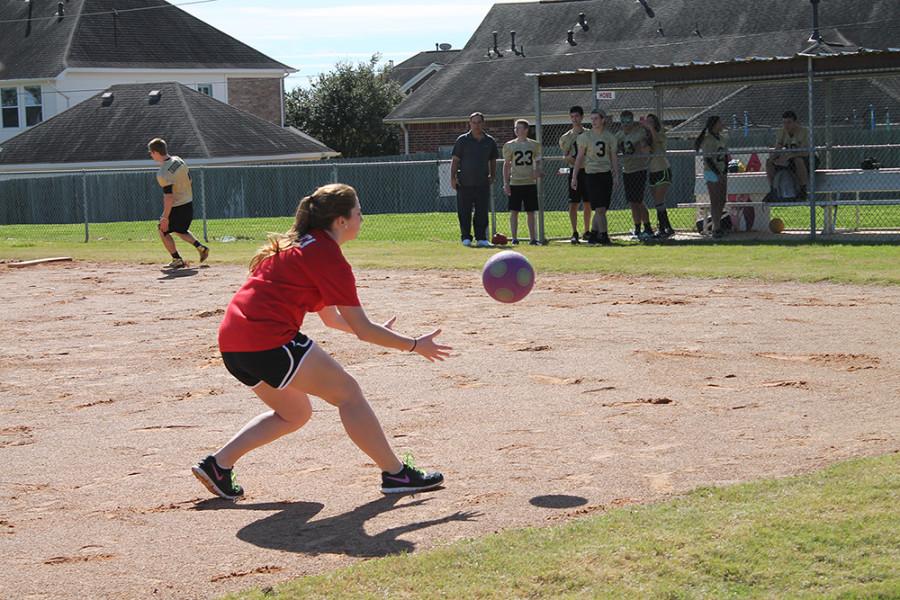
(427,137)
(261,97)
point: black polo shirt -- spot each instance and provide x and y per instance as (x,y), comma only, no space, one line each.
(474,156)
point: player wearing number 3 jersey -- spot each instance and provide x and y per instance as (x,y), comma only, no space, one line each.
(301,272)
(597,153)
(521,169)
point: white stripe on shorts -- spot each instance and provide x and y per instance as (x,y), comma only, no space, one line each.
(292,371)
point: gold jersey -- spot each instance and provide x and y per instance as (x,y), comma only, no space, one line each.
(176,173)
(523,157)
(599,148)
(634,144)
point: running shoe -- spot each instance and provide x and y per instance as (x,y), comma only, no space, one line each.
(177,263)
(483,244)
(204,253)
(217,480)
(574,239)
(515,241)
(534,243)
(410,480)
(467,242)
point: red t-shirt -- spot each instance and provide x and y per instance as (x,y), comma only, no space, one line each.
(268,310)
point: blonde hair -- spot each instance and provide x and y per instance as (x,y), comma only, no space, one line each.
(316,211)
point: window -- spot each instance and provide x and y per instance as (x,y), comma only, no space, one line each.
(9,103)
(205,88)
(34,109)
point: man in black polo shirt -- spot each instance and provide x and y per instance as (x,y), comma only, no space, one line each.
(472,172)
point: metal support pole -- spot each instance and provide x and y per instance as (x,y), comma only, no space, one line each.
(493,207)
(830,211)
(811,190)
(334,174)
(595,101)
(660,106)
(539,138)
(84,206)
(203,203)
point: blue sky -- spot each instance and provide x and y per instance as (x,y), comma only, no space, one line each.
(312,36)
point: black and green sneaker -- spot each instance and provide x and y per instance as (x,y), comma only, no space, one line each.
(217,480)
(410,479)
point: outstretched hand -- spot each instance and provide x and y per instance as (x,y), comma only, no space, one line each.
(427,347)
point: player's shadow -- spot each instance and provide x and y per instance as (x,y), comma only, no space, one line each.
(290,529)
(558,501)
(177,273)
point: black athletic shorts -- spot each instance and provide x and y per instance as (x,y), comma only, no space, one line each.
(276,367)
(523,196)
(579,195)
(599,189)
(663,177)
(180,218)
(635,184)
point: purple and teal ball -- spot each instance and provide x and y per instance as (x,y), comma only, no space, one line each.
(507,276)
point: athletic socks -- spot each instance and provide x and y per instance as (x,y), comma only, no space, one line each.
(176,256)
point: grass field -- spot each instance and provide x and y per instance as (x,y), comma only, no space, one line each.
(418,227)
(831,534)
(387,242)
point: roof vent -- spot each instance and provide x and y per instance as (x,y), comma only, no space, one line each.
(60,10)
(444,47)
(106,99)
(154,96)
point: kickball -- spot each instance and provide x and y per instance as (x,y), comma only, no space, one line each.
(507,276)
(776,225)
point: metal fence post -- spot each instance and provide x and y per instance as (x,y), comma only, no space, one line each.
(812,152)
(84,205)
(203,203)
(334,174)
(493,213)
(539,138)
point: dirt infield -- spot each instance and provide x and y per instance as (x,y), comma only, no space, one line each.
(594,392)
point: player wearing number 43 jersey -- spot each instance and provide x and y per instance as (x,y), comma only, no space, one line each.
(521,169)
(597,153)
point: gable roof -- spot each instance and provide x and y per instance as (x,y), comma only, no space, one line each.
(36,44)
(195,126)
(621,35)
(413,66)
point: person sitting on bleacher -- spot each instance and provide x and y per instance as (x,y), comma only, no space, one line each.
(792,153)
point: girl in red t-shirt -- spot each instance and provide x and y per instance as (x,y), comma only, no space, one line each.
(296,273)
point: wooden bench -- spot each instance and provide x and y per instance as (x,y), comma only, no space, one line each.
(828,181)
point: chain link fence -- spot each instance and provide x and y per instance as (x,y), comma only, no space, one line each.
(857,188)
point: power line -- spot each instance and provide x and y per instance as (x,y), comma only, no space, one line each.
(109,12)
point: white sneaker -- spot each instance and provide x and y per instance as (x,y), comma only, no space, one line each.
(467,243)
(483,244)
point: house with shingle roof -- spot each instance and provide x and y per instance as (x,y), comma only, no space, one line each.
(491,78)
(413,72)
(54,55)
(111,129)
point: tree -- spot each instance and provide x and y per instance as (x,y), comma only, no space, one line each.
(344,109)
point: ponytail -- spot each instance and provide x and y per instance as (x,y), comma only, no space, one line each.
(699,141)
(710,123)
(316,211)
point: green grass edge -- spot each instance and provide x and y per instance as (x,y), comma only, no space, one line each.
(834,533)
(838,263)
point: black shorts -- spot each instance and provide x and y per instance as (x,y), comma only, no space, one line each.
(180,218)
(599,189)
(276,367)
(635,184)
(579,195)
(523,195)
(658,178)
